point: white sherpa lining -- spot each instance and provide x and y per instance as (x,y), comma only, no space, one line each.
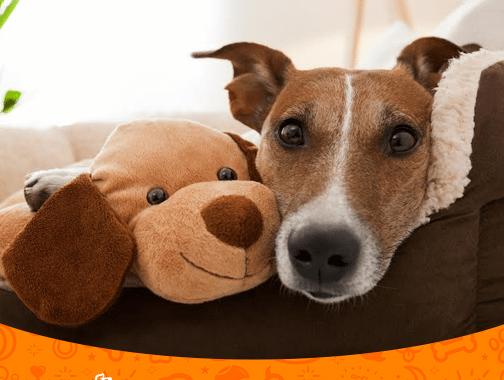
(452,130)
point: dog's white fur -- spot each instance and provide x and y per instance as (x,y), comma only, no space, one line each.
(332,208)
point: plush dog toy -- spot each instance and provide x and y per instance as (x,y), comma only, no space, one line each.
(175,203)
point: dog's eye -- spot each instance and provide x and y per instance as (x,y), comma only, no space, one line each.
(226,174)
(402,140)
(291,133)
(156,196)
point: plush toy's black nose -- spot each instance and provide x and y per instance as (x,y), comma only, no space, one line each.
(323,254)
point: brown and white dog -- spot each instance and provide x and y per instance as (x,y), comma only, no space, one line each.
(345,152)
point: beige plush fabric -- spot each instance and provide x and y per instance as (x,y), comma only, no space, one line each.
(87,139)
(25,150)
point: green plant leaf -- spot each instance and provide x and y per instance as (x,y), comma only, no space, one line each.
(10,100)
(7,12)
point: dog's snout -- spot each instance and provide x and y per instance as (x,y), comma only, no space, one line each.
(323,254)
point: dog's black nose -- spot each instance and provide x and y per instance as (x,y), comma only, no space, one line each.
(323,254)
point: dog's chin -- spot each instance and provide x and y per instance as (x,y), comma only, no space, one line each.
(323,297)
(329,295)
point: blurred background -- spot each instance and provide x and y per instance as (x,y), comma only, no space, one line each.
(117,60)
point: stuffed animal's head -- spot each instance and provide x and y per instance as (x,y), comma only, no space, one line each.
(176,203)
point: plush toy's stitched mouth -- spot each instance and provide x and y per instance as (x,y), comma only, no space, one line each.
(209,272)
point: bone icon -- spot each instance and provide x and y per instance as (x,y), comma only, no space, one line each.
(101,376)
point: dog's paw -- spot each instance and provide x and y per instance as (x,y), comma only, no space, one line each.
(40,185)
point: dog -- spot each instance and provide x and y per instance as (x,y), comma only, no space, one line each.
(345,152)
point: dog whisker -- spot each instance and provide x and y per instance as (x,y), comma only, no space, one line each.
(385,287)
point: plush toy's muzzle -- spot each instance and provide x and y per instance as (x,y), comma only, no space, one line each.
(212,241)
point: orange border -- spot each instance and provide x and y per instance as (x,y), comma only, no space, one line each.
(25,356)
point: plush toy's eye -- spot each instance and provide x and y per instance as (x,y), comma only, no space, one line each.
(226,174)
(156,196)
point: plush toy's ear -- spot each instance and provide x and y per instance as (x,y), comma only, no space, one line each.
(250,152)
(259,75)
(70,261)
(426,58)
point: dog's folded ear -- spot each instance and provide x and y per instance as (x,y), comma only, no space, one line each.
(259,74)
(69,263)
(427,58)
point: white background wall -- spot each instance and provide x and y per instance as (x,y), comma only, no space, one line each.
(101,60)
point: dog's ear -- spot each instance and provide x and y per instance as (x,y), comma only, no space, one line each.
(259,75)
(70,261)
(250,152)
(425,60)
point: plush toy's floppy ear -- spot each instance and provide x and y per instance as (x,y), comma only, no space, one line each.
(260,74)
(70,261)
(250,152)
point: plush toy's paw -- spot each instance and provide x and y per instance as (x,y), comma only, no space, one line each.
(40,185)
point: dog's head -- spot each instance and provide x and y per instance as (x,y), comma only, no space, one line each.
(345,152)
